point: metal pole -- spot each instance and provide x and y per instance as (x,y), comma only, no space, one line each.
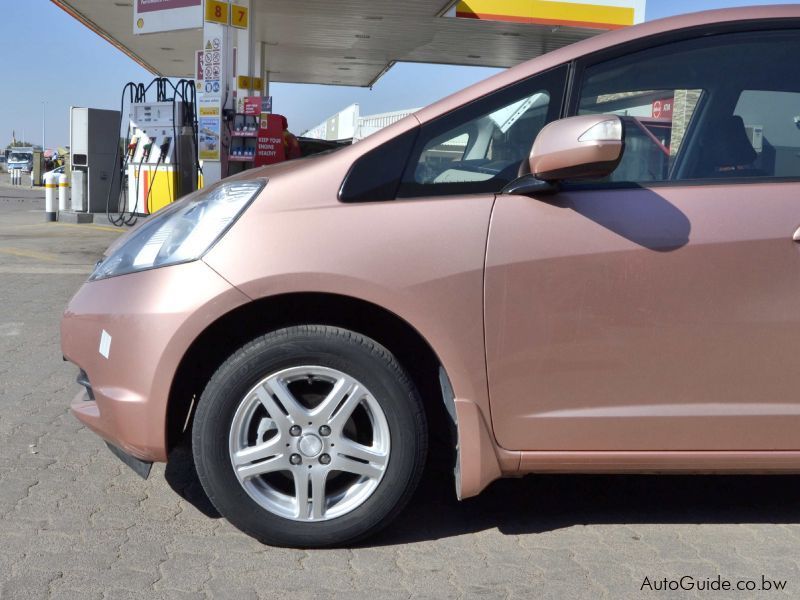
(44,142)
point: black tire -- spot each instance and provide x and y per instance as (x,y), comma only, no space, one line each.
(334,348)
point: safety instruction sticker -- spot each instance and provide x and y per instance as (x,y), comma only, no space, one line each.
(212,66)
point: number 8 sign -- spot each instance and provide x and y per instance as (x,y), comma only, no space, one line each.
(217,12)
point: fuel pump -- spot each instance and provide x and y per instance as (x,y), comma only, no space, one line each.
(156,173)
(160,162)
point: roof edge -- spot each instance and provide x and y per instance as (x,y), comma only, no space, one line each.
(641,31)
(83,19)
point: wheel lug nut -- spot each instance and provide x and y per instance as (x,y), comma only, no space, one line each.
(295,430)
(325,459)
(324,430)
(295,459)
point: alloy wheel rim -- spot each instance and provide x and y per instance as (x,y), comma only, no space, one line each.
(309,443)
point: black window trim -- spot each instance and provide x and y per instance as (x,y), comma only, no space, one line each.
(575,186)
(343,194)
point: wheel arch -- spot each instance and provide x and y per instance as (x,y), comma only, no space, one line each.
(229,332)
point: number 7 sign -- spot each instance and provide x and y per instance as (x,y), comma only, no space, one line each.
(240,16)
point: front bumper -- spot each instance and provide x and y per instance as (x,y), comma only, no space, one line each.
(129,335)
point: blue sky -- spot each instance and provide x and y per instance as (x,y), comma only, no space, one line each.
(49,57)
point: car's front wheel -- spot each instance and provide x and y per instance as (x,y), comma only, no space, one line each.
(310,436)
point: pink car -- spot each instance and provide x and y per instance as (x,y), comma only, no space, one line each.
(587,263)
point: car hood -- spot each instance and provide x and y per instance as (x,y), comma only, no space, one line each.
(302,183)
(269,172)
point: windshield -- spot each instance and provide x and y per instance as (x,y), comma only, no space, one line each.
(19,157)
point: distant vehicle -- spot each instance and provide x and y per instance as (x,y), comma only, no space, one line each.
(57,171)
(310,146)
(21,159)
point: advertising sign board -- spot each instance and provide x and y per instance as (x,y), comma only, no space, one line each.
(208,125)
(592,14)
(269,147)
(154,16)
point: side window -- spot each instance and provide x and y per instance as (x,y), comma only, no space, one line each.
(772,126)
(697,109)
(480,147)
(655,124)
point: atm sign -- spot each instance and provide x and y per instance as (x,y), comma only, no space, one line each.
(662,109)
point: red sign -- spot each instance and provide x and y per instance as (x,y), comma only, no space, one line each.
(252,105)
(662,109)
(198,65)
(154,5)
(269,146)
(257,105)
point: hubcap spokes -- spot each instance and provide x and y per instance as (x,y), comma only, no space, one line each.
(306,458)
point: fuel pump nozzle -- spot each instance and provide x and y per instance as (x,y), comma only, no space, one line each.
(148,147)
(131,149)
(164,150)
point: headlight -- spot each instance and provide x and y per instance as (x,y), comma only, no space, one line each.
(181,232)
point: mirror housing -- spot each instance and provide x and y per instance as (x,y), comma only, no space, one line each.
(578,147)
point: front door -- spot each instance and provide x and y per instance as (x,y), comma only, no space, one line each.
(659,309)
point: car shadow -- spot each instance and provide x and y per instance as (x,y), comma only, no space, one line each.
(540,503)
(640,215)
(181,476)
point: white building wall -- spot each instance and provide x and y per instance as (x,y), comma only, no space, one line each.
(347,124)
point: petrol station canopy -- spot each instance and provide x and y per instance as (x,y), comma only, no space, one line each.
(354,42)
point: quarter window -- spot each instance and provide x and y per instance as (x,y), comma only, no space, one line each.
(480,147)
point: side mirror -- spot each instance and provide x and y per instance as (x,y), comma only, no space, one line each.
(572,148)
(578,147)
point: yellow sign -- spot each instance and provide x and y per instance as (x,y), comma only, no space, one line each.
(600,14)
(240,16)
(258,83)
(244,82)
(209,111)
(217,12)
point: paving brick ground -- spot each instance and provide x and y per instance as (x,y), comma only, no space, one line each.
(77,524)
